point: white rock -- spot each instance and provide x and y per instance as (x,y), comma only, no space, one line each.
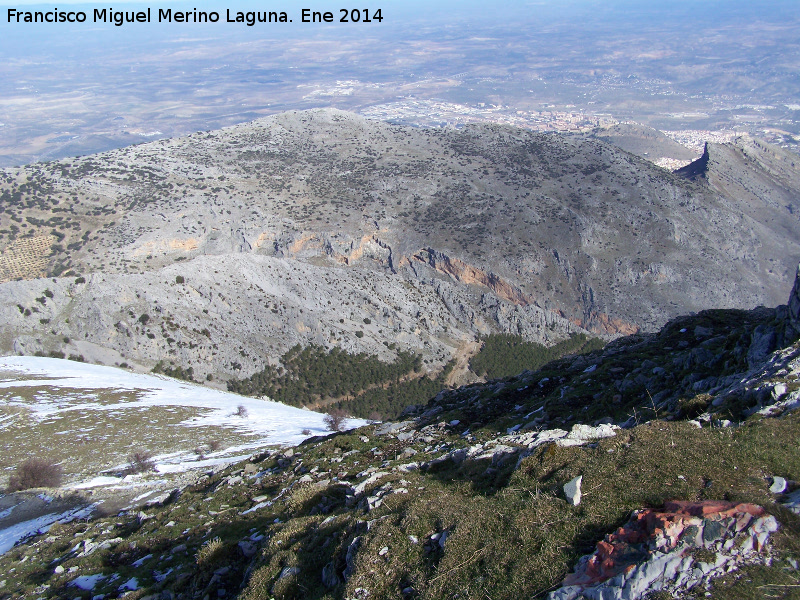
(550,435)
(359,489)
(778,485)
(572,490)
(247,548)
(766,524)
(288,572)
(498,454)
(583,434)
(408,467)
(458,456)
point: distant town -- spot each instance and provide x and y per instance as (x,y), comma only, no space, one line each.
(440,113)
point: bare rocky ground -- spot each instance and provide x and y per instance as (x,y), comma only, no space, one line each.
(232,313)
(297,227)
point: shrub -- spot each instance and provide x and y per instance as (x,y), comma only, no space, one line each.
(80,279)
(306,431)
(210,552)
(35,472)
(359,334)
(241,411)
(179,279)
(214,445)
(141,461)
(693,407)
(335,419)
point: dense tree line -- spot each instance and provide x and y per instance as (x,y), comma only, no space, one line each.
(387,402)
(313,373)
(504,354)
(364,386)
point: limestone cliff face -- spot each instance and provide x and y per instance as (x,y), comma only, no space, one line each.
(464,273)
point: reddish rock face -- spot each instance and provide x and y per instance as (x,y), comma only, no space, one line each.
(711,507)
(680,525)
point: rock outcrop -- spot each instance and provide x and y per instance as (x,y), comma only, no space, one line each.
(794,304)
(685,545)
(696,169)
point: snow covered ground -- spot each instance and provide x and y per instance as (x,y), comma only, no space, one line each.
(73,405)
(272,422)
(14,533)
(277,423)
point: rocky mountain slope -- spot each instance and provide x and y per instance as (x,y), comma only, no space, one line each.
(222,250)
(759,175)
(514,488)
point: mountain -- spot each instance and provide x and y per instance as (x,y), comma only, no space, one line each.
(222,250)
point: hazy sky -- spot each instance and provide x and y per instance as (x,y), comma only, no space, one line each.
(403,19)
(179,77)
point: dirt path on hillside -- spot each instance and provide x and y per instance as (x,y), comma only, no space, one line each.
(461,375)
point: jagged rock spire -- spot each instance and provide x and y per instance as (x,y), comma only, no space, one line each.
(794,302)
(697,168)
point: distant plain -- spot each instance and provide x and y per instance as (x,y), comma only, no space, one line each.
(682,66)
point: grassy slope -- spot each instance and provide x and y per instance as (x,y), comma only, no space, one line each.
(510,532)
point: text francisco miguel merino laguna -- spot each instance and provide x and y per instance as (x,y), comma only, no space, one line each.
(118,18)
